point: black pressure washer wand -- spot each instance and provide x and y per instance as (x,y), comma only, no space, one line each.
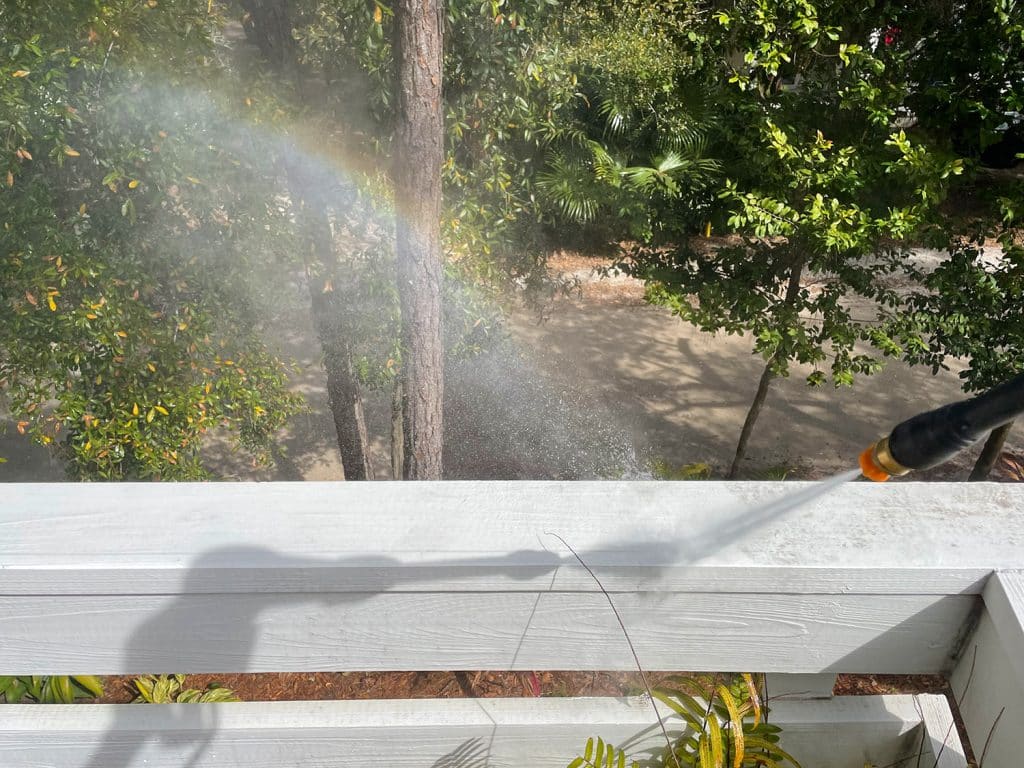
(931,438)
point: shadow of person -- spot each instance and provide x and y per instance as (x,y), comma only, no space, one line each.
(199,629)
(218,620)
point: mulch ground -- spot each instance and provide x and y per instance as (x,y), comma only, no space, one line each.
(318,686)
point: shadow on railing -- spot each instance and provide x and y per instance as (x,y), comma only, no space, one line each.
(213,620)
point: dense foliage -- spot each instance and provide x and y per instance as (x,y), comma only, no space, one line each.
(158,181)
(130,214)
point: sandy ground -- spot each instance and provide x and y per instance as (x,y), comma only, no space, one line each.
(602,388)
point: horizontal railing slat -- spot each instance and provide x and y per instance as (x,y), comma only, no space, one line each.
(906,538)
(506,630)
(480,733)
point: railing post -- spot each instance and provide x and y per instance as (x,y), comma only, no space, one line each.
(988,679)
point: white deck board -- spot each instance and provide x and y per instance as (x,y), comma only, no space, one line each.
(510,630)
(480,733)
(900,538)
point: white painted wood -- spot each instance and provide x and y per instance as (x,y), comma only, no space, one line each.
(844,732)
(507,630)
(942,741)
(900,538)
(782,686)
(1004,600)
(988,690)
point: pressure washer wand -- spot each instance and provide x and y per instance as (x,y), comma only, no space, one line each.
(931,438)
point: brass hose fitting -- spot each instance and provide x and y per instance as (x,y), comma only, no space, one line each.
(877,462)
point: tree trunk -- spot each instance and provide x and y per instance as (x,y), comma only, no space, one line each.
(752,414)
(792,290)
(418,155)
(269,24)
(343,393)
(990,453)
(346,404)
(397,438)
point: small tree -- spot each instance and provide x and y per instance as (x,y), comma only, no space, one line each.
(127,324)
(971,309)
(971,306)
(819,179)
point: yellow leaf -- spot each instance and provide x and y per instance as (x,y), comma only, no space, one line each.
(150,415)
(161,410)
(90,315)
(71,152)
(378,14)
(133,184)
(20,73)
(151,367)
(60,262)
(45,439)
(122,334)
(10,179)
(88,444)
(193,179)
(81,209)
(182,326)
(52,304)
(135,409)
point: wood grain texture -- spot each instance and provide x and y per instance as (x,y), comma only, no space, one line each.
(905,538)
(1004,601)
(481,733)
(511,630)
(990,697)
(943,748)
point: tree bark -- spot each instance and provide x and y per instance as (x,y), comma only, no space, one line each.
(418,155)
(792,290)
(397,437)
(269,24)
(748,424)
(343,393)
(990,453)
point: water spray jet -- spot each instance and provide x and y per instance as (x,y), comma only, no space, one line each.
(933,437)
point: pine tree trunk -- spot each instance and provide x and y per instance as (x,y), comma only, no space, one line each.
(397,438)
(792,290)
(418,155)
(990,453)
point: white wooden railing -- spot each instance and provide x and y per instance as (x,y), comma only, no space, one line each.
(765,577)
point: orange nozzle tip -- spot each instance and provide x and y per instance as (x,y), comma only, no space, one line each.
(870,469)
